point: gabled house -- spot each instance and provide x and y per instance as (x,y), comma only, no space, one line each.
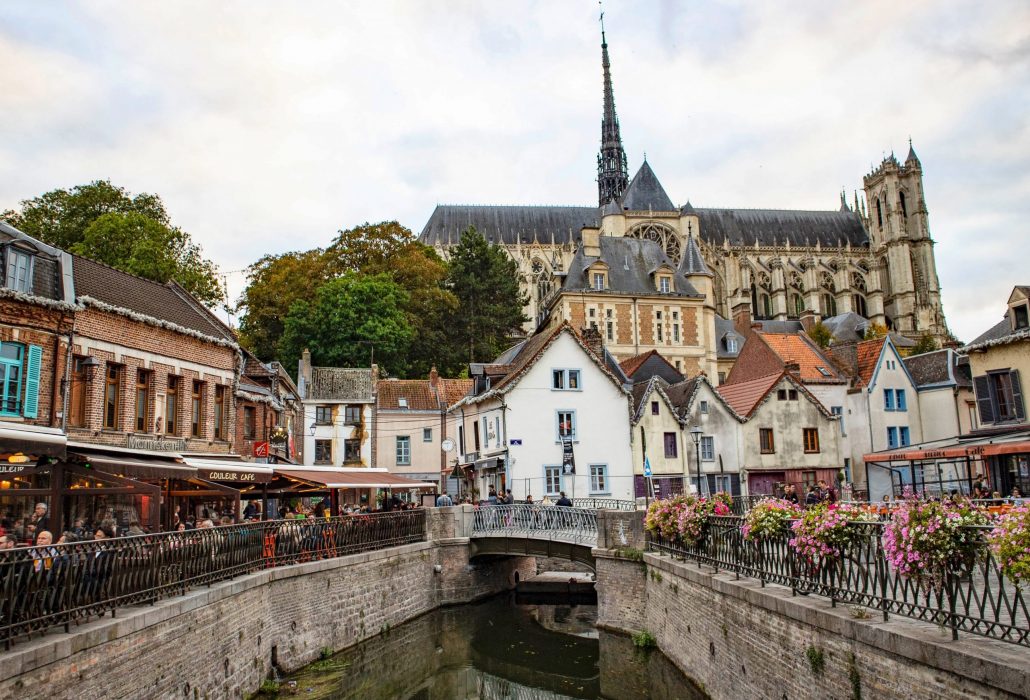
(269,417)
(656,434)
(552,417)
(716,456)
(944,385)
(788,436)
(338,412)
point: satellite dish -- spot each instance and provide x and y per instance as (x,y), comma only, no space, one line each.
(447,445)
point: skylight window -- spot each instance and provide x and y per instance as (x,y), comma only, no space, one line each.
(402,402)
(823,371)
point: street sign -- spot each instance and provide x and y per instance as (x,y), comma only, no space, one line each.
(647,467)
(447,445)
(516,441)
(260,449)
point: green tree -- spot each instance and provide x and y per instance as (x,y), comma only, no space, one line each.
(874,331)
(343,317)
(822,335)
(486,282)
(926,343)
(142,246)
(276,283)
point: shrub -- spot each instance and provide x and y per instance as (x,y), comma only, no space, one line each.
(1010,542)
(769,518)
(644,640)
(823,531)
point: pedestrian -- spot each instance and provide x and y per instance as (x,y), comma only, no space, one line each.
(791,493)
(813,496)
(563,500)
(491,497)
(444,501)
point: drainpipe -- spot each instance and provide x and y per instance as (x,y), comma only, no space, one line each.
(636,330)
(507,449)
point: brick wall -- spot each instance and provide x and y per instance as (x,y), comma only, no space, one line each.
(30,324)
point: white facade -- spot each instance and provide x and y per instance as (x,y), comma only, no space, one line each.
(720,447)
(346,434)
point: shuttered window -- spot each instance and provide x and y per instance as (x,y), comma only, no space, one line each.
(999,397)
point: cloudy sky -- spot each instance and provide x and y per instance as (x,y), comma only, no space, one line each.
(267,126)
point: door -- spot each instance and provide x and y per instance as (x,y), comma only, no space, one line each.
(764,482)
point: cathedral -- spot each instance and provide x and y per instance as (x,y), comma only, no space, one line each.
(872,257)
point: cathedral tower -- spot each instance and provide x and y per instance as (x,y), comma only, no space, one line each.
(612,172)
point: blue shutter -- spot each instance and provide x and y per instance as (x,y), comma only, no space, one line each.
(32,366)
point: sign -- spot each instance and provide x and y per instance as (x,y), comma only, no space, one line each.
(647,467)
(154,443)
(568,460)
(17,468)
(212,475)
(447,445)
(260,449)
(516,441)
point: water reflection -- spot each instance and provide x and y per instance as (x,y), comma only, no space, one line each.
(496,649)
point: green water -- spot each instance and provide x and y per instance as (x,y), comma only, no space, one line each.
(495,649)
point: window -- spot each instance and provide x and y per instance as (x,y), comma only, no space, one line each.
(112,396)
(10,374)
(552,480)
(675,315)
(565,379)
(661,333)
(403,450)
(903,436)
(654,408)
(249,422)
(899,395)
(351,450)
(598,280)
(707,448)
(781,394)
(19,271)
(664,283)
(765,439)
(731,343)
(892,437)
(676,332)
(352,414)
(1020,317)
(77,393)
(722,378)
(792,394)
(402,402)
(220,413)
(475,435)
(427,434)
(598,478)
(888,399)
(566,424)
(323,415)
(670,445)
(172,409)
(839,411)
(811,436)
(703,407)
(323,451)
(142,399)
(197,414)
(610,330)
(461,439)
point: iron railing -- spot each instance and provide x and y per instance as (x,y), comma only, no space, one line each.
(603,504)
(541,522)
(742,504)
(44,587)
(976,599)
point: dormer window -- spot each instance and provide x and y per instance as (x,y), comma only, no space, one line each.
(19,270)
(598,281)
(1020,317)
(731,343)
(664,284)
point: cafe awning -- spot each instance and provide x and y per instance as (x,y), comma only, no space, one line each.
(984,447)
(231,470)
(134,465)
(356,479)
(32,440)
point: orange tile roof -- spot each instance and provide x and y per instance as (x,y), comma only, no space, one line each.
(454,390)
(793,347)
(417,392)
(744,396)
(869,352)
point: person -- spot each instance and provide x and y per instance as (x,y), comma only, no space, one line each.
(250,511)
(791,493)
(563,500)
(813,496)
(547,501)
(39,517)
(134,529)
(492,497)
(43,553)
(529,499)
(205,525)
(7,542)
(509,498)
(1016,494)
(444,501)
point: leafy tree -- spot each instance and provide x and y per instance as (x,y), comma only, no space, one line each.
(926,343)
(142,246)
(874,331)
(275,283)
(822,335)
(489,313)
(343,317)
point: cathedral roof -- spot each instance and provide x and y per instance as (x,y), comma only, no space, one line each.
(508,224)
(645,193)
(631,262)
(693,263)
(769,227)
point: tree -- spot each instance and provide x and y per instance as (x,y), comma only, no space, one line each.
(926,343)
(874,331)
(822,335)
(135,243)
(130,232)
(276,283)
(486,282)
(345,315)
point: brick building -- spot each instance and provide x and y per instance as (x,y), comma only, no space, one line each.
(269,415)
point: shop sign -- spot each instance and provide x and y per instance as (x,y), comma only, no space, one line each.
(154,443)
(230,476)
(16,468)
(260,449)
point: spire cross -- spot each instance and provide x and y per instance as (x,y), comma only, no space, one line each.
(601,5)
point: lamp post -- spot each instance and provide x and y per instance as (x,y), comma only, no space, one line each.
(311,430)
(695,435)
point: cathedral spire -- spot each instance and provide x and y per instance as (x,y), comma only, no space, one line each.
(612,171)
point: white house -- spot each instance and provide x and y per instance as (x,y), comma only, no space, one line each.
(719,447)
(548,416)
(947,406)
(338,413)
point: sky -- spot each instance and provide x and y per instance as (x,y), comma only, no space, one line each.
(267,126)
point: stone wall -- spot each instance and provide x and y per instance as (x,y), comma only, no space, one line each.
(738,639)
(219,642)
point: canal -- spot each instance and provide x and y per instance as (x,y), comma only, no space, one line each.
(504,647)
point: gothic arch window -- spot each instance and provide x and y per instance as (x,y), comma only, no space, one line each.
(661,234)
(858,302)
(826,282)
(858,282)
(885,277)
(901,200)
(797,305)
(796,282)
(829,305)
(879,214)
(766,305)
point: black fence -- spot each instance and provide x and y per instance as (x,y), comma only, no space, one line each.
(976,599)
(44,587)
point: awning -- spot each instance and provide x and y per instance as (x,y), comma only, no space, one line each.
(489,463)
(141,467)
(975,449)
(32,440)
(357,479)
(234,470)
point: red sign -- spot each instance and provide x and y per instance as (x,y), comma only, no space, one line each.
(260,449)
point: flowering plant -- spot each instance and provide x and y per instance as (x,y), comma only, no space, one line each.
(768,518)
(1010,542)
(723,498)
(823,531)
(683,518)
(925,540)
(663,516)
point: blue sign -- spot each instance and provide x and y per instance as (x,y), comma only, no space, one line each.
(516,441)
(647,467)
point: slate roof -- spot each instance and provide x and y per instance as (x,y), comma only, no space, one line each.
(724,328)
(340,384)
(508,224)
(692,262)
(744,397)
(778,226)
(650,364)
(939,368)
(645,193)
(998,334)
(679,394)
(846,327)
(631,262)
(795,347)
(781,326)
(164,302)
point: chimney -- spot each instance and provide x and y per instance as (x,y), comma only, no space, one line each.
(742,316)
(592,339)
(304,373)
(434,377)
(792,368)
(808,319)
(591,237)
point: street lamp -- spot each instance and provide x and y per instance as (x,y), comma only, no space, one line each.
(695,435)
(312,430)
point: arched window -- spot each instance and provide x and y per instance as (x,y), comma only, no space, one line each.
(797,305)
(858,301)
(901,198)
(879,215)
(766,306)
(829,306)
(660,234)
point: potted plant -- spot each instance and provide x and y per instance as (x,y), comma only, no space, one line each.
(769,518)
(1010,542)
